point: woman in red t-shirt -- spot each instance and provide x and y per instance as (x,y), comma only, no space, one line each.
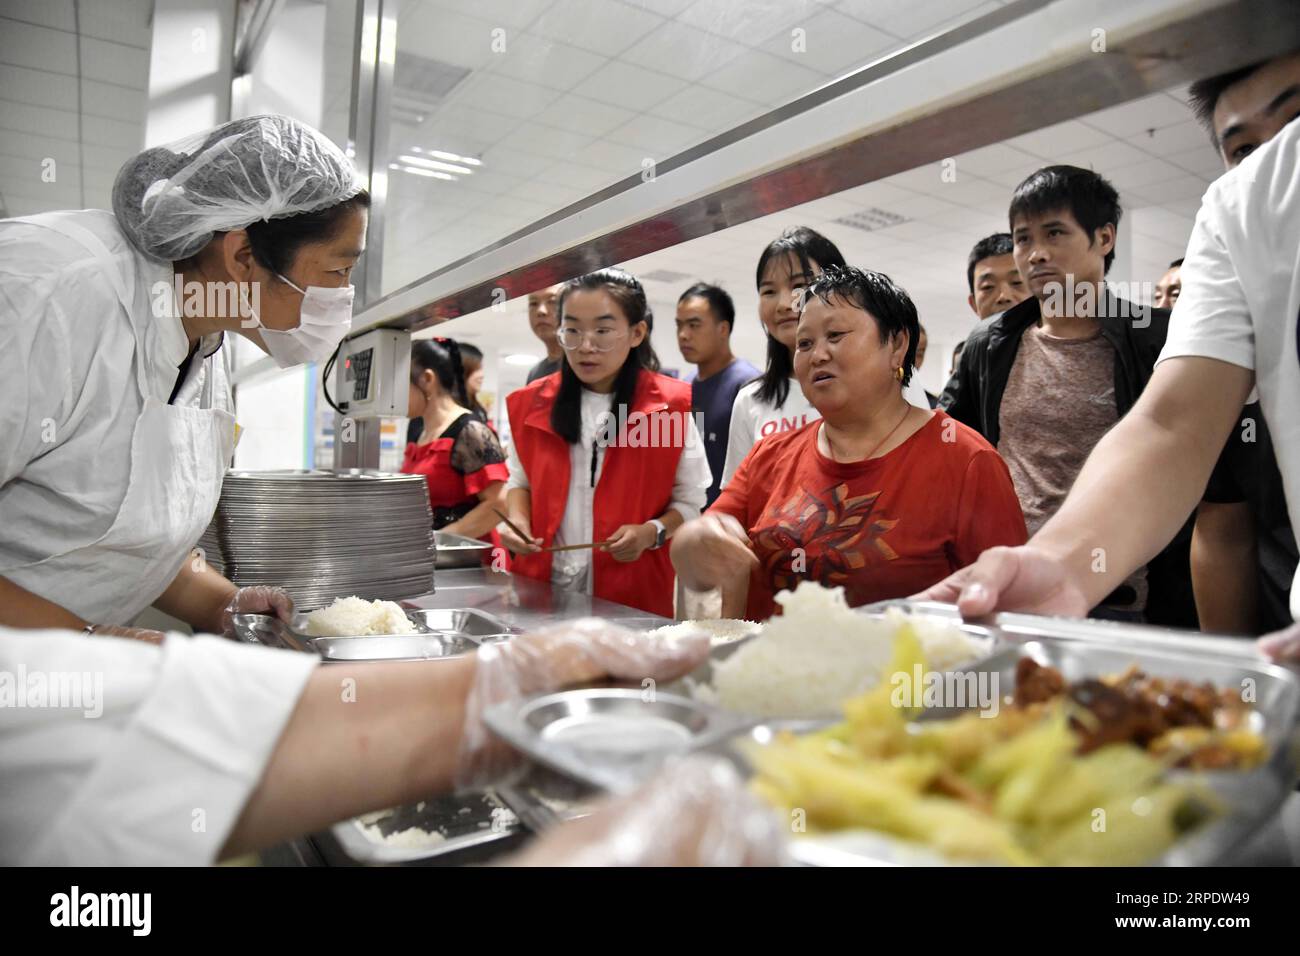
(459,456)
(880,497)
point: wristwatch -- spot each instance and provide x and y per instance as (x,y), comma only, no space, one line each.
(661,533)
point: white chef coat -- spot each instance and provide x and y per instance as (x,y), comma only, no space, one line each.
(162,774)
(570,569)
(1240,300)
(753,420)
(70,395)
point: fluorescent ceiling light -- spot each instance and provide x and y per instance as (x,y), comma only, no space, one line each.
(435,164)
(450,157)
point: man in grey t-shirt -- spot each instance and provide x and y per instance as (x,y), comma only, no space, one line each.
(544,319)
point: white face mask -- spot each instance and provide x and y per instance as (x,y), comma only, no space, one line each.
(324,320)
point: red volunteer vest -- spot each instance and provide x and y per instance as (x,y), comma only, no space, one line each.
(635,485)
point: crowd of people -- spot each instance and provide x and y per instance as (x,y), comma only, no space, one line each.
(1088,455)
(831,463)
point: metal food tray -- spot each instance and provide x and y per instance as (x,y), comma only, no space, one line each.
(451,825)
(607,737)
(1082,649)
(441,633)
(458,551)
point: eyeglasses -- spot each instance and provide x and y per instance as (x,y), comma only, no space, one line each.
(602,340)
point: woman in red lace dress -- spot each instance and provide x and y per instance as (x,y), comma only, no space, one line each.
(458,455)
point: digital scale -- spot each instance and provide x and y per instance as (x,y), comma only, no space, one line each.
(372,378)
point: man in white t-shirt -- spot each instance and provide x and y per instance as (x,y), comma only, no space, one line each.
(1234,327)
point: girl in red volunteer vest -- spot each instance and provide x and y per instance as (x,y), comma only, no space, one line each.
(605,451)
(459,456)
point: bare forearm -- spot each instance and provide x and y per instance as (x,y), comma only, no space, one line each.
(1225,569)
(21,608)
(197,596)
(1146,475)
(391,737)
(483,518)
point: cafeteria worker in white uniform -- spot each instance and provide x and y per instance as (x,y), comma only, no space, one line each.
(116,422)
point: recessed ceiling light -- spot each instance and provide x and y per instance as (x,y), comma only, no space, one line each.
(436,164)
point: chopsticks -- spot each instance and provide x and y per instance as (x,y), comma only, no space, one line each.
(526,537)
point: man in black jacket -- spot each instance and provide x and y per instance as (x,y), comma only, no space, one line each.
(1045,380)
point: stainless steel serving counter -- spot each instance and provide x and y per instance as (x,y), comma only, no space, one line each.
(523,602)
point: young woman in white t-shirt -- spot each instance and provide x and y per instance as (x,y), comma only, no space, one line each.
(774,402)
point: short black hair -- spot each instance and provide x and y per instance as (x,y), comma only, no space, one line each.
(1177,263)
(1203,95)
(720,304)
(1087,195)
(877,295)
(998,244)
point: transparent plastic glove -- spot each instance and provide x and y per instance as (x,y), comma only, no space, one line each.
(145,634)
(572,653)
(697,812)
(260,599)
(1282,646)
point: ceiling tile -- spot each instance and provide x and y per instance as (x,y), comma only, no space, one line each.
(617,158)
(1169,190)
(123,21)
(633,87)
(536,59)
(832,44)
(1140,174)
(1136,116)
(708,108)
(38,48)
(583,115)
(748,21)
(665,8)
(42,88)
(114,63)
(61,124)
(449,37)
(1105,159)
(764,77)
(606,28)
(656,136)
(533,139)
(906,18)
(684,51)
(998,158)
(1175,139)
(1052,141)
(502,95)
(507,13)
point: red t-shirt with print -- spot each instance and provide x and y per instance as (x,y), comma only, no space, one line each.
(883,528)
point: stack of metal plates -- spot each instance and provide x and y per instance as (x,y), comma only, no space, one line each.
(324,534)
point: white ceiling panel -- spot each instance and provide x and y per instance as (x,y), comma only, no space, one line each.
(748,21)
(710,109)
(500,13)
(578,175)
(502,95)
(449,37)
(121,21)
(583,115)
(906,18)
(532,140)
(1105,159)
(682,50)
(454,123)
(38,87)
(61,124)
(665,8)
(115,63)
(607,28)
(618,159)
(1060,138)
(832,43)
(537,59)
(47,13)
(121,103)
(1178,138)
(1137,116)
(764,77)
(630,86)
(113,133)
(38,48)
(657,136)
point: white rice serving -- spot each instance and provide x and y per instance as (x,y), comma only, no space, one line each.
(720,630)
(357,617)
(820,652)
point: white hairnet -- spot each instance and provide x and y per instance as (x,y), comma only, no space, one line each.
(170,200)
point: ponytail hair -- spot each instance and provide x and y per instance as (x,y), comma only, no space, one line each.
(441,357)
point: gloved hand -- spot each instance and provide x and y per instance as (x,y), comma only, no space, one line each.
(133,633)
(1282,646)
(575,652)
(259,599)
(697,812)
